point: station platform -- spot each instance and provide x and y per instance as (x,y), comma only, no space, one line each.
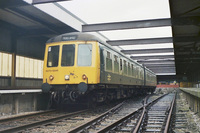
(193,91)
(20,91)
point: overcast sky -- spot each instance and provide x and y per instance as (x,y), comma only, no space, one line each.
(104,11)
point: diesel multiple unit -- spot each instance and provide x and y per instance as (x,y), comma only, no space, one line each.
(80,67)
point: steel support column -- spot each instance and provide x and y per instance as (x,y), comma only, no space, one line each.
(13,73)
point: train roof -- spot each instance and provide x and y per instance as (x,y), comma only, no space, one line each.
(74,36)
(80,36)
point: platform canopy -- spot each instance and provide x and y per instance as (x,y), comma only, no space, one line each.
(147,31)
(136,28)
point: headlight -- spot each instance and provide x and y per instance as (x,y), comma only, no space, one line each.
(66,77)
(51,77)
(84,77)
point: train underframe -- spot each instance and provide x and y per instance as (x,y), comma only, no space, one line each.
(90,94)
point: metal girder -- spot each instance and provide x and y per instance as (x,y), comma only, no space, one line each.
(151,57)
(12,3)
(46,1)
(11,27)
(127,25)
(164,71)
(192,20)
(163,68)
(140,41)
(147,51)
(21,32)
(159,65)
(156,61)
(154,40)
(154,68)
(46,25)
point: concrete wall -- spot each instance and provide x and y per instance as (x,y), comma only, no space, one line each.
(28,82)
(21,82)
(192,95)
(5,81)
(17,103)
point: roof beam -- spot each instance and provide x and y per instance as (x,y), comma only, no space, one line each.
(46,1)
(192,20)
(159,65)
(46,25)
(147,51)
(11,27)
(153,68)
(156,61)
(12,3)
(164,71)
(126,25)
(151,57)
(161,68)
(154,40)
(140,41)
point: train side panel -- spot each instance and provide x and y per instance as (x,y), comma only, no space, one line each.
(117,70)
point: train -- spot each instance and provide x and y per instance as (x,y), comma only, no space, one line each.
(80,67)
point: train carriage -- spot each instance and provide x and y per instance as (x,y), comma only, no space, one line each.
(80,66)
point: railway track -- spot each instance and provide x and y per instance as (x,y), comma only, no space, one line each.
(20,123)
(152,117)
(36,122)
(54,121)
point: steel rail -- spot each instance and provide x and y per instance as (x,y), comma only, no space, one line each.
(39,123)
(95,120)
(25,116)
(169,115)
(140,121)
(115,124)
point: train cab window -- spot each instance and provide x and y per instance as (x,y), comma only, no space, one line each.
(68,53)
(125,68)
(108,61)
(116,64)
(53,54)
(84,55)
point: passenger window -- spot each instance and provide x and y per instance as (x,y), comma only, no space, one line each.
(116,64)
(120,64)
(84,55)
(132,70)
(68,53)
(108,61)
(53,54)
(129,69)
(125,68)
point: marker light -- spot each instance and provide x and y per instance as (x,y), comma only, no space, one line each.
(84,77)
(51,77)
(66,77)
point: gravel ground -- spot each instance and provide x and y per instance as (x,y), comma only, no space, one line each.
(2,116)
(186,120)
